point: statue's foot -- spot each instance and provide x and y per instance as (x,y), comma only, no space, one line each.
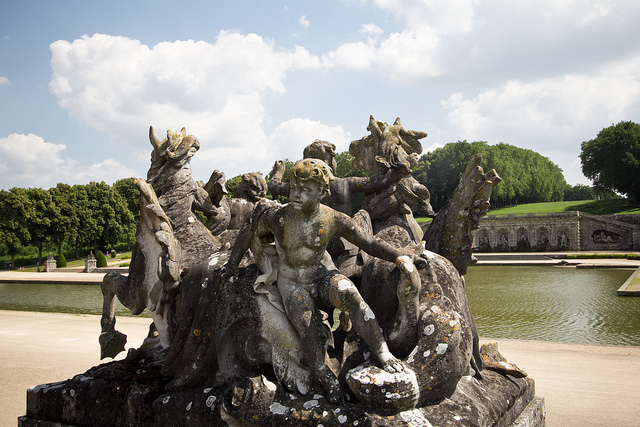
(334,392)
(390,363)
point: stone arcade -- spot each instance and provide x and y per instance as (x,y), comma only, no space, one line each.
(249,337)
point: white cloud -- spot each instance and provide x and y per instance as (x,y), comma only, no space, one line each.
(501,38)
(304,22)
(30,161)
(550,107)
(216,91)
(552,115)
(299,133)
(4,81)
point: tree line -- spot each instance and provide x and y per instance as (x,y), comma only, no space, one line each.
(94,215)
(527,176)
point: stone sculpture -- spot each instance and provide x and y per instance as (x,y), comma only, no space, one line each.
(241,339)
(169,241)
(233,213)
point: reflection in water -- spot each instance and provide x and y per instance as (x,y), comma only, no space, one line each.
(553,304)
(536,303)
(75,299)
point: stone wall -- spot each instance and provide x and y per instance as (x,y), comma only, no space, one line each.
(562,231)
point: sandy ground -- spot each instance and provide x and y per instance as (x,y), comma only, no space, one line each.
(582,385)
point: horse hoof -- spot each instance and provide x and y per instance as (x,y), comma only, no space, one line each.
(111,343)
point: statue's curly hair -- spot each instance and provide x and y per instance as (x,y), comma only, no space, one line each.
(312,169)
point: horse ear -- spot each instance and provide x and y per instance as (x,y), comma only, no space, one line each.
(155,142)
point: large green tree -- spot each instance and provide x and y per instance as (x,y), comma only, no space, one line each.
(110,217)
(41,224)
(526,175)
(612,159)
(65,225)
(130,193)
(16,210)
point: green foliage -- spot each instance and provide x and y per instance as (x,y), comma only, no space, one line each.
(113,253)
(130,194)
(592,207)
(232,184)
(526,175)
(15,210)
(61,262)
(40,225)
(578,192)
(101,261)
(612,159)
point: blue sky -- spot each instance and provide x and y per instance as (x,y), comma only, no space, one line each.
(256,81)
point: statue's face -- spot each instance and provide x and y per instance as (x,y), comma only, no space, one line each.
(305,195)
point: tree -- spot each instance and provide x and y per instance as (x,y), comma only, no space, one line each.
(16,210)
(109,215)
(129,191)
(65,225)
(612,159)
(130,194)
(86,223)
(578,192)
(40,225)
(526,175)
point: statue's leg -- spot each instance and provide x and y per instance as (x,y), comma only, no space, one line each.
(340,292)
(306,320)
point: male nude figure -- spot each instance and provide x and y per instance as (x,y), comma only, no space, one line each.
(307,279)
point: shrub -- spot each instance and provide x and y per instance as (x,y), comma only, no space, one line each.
(61,262)
(101,261)
(113,253)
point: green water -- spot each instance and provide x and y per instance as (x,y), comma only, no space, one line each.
(74,299)
(553,304)
(535,303)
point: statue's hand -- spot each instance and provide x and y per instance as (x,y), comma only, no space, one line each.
(420,260)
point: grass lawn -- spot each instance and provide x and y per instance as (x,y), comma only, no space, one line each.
(593,207)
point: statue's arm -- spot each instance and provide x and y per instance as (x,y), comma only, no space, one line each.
(258,225)
(372,245)
(276,186)
(203,203)
(376,182)
(350,230)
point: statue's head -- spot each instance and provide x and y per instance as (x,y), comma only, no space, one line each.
(176,149)
(323,150)
(311,172)
(252,187)
(388,146)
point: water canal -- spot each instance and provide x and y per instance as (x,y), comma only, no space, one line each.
(538,303)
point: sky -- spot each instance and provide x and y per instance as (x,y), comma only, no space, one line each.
(256,81)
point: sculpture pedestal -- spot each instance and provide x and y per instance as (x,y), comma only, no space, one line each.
(132,392)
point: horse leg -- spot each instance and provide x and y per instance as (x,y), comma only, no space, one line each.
(111,341)
(402,331)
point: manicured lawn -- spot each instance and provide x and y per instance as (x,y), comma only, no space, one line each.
(593,207)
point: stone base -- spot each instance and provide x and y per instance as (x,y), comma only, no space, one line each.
(132,392)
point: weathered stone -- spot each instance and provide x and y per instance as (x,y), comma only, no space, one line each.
(243,332)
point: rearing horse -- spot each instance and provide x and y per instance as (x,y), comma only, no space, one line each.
(170,239)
